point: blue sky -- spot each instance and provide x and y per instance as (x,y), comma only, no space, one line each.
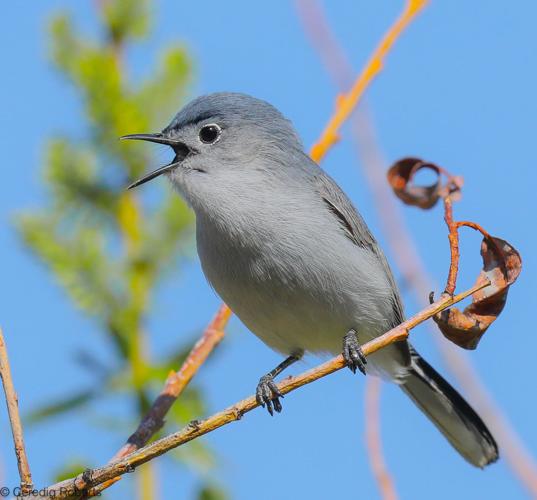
(458,89)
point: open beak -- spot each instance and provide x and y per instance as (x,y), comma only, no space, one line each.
(181,152)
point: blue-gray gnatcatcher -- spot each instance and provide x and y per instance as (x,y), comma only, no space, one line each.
(286,250)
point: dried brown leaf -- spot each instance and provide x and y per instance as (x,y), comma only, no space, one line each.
(400,177)
(501,266)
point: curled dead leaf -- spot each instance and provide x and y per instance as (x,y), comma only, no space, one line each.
(501,266)
(401,176)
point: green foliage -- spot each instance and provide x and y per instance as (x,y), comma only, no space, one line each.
(212,492)
(62,406)
(107,247)
(127,19)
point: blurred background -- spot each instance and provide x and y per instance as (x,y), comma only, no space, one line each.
(102,293)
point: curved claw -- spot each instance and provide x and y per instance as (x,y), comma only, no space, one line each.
(352,352)
(267,394)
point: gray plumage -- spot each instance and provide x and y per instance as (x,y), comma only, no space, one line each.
(285,248)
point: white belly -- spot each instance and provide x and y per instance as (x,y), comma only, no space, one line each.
(297,301)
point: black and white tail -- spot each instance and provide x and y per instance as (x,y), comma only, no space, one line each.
(453,416)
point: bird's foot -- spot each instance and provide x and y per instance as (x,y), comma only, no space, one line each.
(352,352)
(267,393)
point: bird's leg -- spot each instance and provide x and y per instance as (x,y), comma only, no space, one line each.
(267,392)
(352,352)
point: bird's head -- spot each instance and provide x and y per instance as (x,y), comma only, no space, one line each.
(219,135)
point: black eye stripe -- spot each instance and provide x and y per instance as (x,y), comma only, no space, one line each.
(209,134)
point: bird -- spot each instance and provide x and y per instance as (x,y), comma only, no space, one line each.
(288,252)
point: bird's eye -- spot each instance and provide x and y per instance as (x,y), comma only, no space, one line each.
(209,134)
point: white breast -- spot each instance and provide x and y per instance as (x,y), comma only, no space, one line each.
(292,291)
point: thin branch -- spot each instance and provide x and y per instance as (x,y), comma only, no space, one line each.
(346,102)
(75,487)
(453,236)
(174,386)
(405,253)
(475,226)
(14,419)
(374,441)
(313,18)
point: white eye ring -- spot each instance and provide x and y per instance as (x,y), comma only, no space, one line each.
(210,133)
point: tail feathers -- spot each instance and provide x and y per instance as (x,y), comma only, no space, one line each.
(451,414)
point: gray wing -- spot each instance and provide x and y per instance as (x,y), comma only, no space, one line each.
(356,230)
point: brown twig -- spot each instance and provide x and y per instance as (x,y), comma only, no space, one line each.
(75,487)
(404,250)
(374,441)
(14,419)
(453,236)
(347,102)
(475,226)
(174,386)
